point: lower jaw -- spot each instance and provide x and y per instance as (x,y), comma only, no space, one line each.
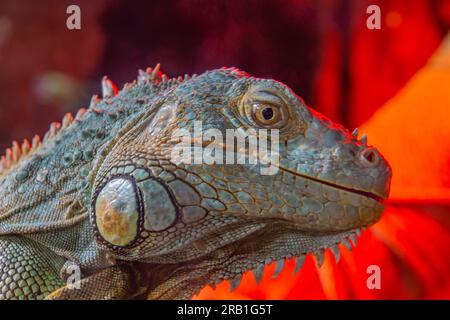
(230,262)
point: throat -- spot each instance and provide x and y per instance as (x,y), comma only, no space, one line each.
(172,281)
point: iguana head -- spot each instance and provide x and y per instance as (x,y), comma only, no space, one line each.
(200,221)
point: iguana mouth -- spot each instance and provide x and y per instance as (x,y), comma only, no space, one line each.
(337,186)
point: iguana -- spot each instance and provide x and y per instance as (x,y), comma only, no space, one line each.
(101,193)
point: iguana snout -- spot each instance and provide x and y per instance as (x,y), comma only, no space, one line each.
(339,177)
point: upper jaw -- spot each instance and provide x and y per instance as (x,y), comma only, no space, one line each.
(376,193)
(326,207)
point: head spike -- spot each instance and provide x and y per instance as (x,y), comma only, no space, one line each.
(129,85)
(352,237)
(336,253)
(364,139)
(9,156)
(16,152)
(26,147)
(347,244)
(35,142)
(143,76)
(355,132)
(3,163)
(319,257)
(54,128)
(109,89)
(156,73)
(94,101)
(67,120)
(234,283)
(258,272)
(80,113)
(278,268)
(299,262)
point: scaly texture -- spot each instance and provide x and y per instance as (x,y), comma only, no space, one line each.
(103,191)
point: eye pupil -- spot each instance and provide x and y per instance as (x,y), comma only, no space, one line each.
(267,113)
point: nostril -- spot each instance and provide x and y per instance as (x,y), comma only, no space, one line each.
(369,157)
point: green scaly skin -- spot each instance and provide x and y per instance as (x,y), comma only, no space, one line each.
(102,192)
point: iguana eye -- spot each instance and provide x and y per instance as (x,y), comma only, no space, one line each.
(267,115)
(264,108)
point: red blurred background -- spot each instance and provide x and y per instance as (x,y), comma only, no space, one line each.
(324,52)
